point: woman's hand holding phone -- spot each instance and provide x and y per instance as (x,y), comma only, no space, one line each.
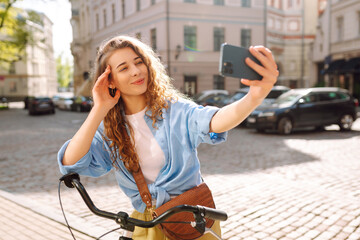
(101,94)
(260,89)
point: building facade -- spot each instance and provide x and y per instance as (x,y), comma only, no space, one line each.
(291,29)
(186,34)
(35,74)
(336,50)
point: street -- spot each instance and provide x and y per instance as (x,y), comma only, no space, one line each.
(302,186)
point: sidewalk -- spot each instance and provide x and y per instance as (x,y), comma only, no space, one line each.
(21,218)
(15,220)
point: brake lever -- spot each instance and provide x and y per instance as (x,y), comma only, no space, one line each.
(200,222)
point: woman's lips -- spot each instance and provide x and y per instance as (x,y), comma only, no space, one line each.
(139,82)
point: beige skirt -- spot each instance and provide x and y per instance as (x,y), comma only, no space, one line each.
(156,233)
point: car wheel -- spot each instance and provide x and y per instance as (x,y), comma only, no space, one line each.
(285,126)
(346,122)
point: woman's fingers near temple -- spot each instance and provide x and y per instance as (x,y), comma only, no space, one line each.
(103,78)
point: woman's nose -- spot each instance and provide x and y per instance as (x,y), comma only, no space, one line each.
(135,70)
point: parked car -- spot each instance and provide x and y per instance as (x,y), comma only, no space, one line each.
(64,103)
(81,104)
(209,93)
(55,100)
(40,105)
(275,92)
(218,100)
(312,107)
(4,104)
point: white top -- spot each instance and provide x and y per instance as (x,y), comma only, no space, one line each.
(151,157)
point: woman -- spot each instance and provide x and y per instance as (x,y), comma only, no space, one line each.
(139,119)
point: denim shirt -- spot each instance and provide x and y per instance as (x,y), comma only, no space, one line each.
(185,125)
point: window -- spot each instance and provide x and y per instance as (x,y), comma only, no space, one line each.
(35,68)
(189,38)
(219,82)
(218,37)
(290,3)
(190,83)
(219,2)
(113,12)
(340,28)
(123,8)
(245,38)
(245,3)
(310,98)
(97,22)
(13,87)
(12,68)
(153,39)
(104,13)
(138,5)
(323,97)
(190,1)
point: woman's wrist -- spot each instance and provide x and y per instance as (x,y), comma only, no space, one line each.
(99,110)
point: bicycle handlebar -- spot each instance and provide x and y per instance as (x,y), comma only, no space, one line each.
(72,180)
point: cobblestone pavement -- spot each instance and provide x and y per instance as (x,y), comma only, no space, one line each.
(303,186)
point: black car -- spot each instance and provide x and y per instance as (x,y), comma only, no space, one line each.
(81,104)
(40,105)
(312,107)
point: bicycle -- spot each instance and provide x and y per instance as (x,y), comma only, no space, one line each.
(128,224)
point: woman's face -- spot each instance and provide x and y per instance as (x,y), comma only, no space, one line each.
(129,73)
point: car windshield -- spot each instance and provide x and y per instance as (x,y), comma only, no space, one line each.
(274,94)
(289,98)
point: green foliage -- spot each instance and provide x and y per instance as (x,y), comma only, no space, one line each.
(64,71)
(14,33)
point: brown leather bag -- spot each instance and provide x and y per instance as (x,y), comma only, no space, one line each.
(199,195)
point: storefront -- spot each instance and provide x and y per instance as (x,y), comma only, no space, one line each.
(344,74)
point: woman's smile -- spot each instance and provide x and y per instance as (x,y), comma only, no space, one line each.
(139,82)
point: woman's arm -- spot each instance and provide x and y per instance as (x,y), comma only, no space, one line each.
(103,102)
(233,114)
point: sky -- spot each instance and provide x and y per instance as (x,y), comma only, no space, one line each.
(59,12)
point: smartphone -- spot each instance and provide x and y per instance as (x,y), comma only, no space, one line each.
(232,62)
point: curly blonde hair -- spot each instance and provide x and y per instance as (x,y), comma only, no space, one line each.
(159,92)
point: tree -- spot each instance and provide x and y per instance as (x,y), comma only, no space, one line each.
(14,33)
(64,71)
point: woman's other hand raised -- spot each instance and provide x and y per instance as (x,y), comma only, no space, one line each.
(101,95)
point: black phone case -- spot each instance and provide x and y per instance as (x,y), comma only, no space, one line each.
(232,62)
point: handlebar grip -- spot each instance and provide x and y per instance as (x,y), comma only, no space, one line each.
(214,214)
(69,178)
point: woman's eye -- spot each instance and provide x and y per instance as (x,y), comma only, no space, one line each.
(122,69)
(140,62)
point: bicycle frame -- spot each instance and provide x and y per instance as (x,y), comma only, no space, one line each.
(128,224)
